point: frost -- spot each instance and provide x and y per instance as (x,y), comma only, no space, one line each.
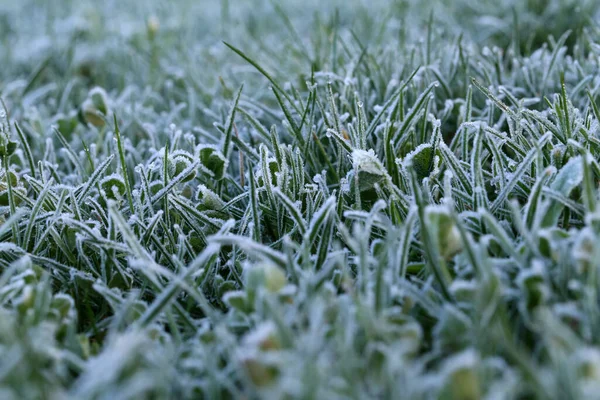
(281,269)
(366,161)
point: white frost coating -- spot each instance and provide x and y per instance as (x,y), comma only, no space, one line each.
(259,335)
(589,357)
(367,161)
(324,319)
(467,359)
(569,176)
(344,185)
(584,248)
(463,285)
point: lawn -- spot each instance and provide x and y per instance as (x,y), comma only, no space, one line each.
(300,199)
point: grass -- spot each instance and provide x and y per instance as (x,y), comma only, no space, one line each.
(357,199)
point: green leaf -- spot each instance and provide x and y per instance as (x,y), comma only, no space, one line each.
(568,178)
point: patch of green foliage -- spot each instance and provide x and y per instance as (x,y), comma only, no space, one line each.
(300,199)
